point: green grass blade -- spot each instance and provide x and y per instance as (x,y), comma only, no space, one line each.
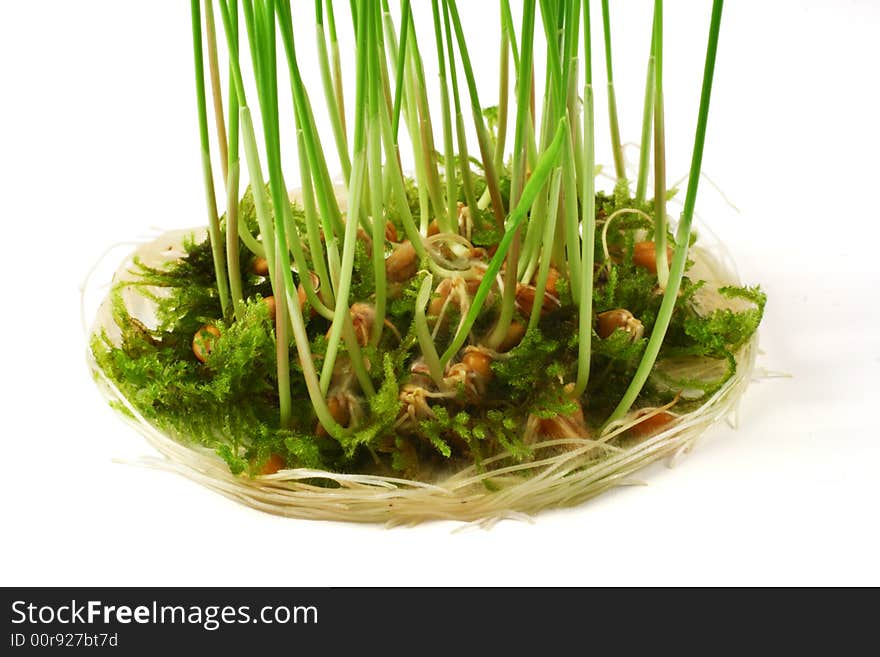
(214,234)
(647,118)
(679,259)
(588,220)
(659,152)
(619,167)
(477,111)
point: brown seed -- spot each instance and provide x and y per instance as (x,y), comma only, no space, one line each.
(402,264)
(270,304)
(433,228)
(260,266)
(436,304)
(273,464)
(203,341)
(390,231)
(552,280)
(653,424)
(515,333)
(525,295)
(479,362)
(362,317)
(611,320)
(338,410)
(645,256)
(473,284)
(565,426)
(525,300)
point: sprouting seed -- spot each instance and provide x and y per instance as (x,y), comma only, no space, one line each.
(471,374)
(363,315)
(619,318)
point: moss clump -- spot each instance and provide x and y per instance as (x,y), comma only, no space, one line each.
(229,403)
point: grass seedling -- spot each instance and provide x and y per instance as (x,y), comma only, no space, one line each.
(493,316)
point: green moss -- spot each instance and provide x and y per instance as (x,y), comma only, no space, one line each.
(230,402)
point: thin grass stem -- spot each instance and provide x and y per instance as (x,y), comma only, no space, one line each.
(374,165)
(463,155)
(477,111)
(406,22)
(232,190)
(659,153)
(448,153)
(330,91)
(214,234)
(619,166)
(547,245)
(339,92)
(216,90)
(683,233)
(423,333)
(571,223)
(588,220)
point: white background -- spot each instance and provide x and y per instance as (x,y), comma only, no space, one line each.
(98,144)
